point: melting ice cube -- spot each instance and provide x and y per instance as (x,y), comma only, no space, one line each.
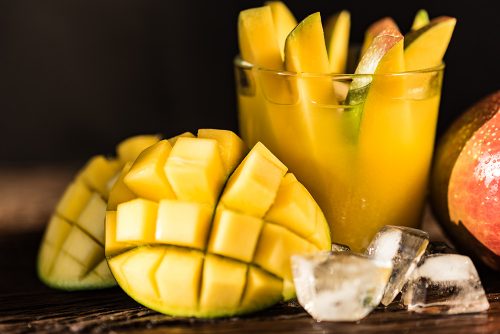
(445,283)
(340,247)
(339,286)
(403,246)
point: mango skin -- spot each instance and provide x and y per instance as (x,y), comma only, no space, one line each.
(449,148)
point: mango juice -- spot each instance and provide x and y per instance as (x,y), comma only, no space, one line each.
(365,163)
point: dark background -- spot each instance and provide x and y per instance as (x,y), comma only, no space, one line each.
(78,76)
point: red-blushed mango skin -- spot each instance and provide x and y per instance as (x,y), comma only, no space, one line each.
(473,192)
(468,236)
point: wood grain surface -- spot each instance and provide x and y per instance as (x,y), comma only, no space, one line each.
(27,196)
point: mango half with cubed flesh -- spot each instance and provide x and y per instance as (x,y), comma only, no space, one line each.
(207,231)
(71,254)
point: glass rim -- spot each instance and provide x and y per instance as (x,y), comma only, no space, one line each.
(238,62)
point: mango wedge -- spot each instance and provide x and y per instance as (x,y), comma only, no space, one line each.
(421,19)
(337,40)
(384,55)
(196,256)
(257,38)
(375,29)
(435,36)
(284,22)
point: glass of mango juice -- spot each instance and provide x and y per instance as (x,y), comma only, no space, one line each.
(361,144)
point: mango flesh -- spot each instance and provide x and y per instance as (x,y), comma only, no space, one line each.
(284,22)
(191,255)
(421,19)
(435,36)
(71,254)
(337,31)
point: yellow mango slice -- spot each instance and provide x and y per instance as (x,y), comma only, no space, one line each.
(257,38)
(222,286)
(178,277)
(425,47)
(183,223)
(232,149)
(421,19)
(146,177)
(129,149)
(375,29)
(136,221)
(234,234)
(92,217)
(284,22)
(194,169)
(258,176)
(337,41)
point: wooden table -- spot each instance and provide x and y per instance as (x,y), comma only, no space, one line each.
(27,196)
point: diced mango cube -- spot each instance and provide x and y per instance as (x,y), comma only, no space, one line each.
(295,209)
(222,285)
(81,247)
(139,270)
(178,277)
(97,173)
(92,217)
(183,223)
(129,149)
(57,231)
(67,268)
(146,177)
(115,264)
(136,220)
(276,245)
(112,246)
(257,177)
(234,234)
(232,149)
(262,290)
(73,201)
(195,171)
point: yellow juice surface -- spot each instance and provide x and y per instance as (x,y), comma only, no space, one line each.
(365,176)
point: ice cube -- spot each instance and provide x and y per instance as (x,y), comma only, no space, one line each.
(445,283)
(340,247)
(403,246)
(339,286)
